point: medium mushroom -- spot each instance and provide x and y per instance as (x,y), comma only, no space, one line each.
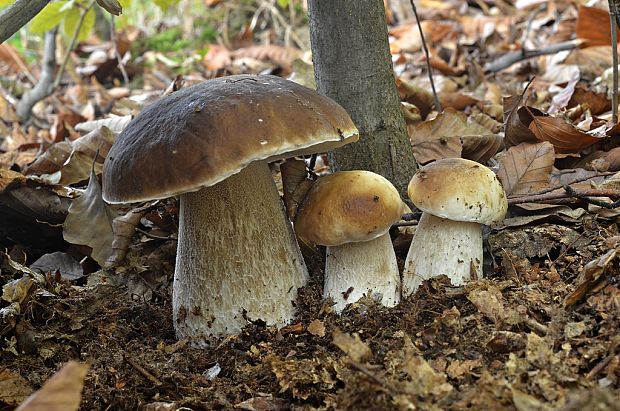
(351,212)
(455,196)
(237,257)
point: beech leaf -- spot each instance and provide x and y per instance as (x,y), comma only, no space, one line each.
(564,137)
(526,168)
(88,222)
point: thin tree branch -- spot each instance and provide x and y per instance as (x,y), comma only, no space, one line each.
(428,58)
(509,59)
(613,17)
(17,15)
(44,86)
(570,192)
(72,44)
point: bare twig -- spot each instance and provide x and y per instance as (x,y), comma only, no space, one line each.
(142,371)
(119,58)
(156,237)
(509,59)
(17,15)
(44,86)
(569,192)
(72,44)
(428,57)
(587,197)
(601,365)
(613,17)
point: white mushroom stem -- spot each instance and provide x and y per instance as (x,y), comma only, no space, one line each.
(237,258)
(442,246)
(353,270)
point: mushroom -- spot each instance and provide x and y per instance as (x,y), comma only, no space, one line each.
(351,212)
(237,257)
(455,196)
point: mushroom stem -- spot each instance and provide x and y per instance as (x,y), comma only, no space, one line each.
(355,269)
(237,258)
(442,246)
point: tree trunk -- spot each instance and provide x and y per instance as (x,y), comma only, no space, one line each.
(353,66)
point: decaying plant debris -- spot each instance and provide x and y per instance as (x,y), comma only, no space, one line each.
(538,332)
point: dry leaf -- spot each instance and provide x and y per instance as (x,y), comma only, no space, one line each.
(62,392)
(526,168)
(441,137)
(354,347)
(88,222)
(217,57)
(591,276)
(115,124)
(418,96)
(481,148)
(10,179)
(593,26)
(597,102)
(316,327)
(564,137)
(14,389)
(517,119)
(123,228)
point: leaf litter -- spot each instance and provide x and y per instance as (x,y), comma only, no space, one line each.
(539,332)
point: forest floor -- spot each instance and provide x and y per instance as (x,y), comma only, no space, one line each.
(540,331)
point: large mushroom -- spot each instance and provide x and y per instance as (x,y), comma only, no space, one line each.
(351,213)
(456,197)
(237,257)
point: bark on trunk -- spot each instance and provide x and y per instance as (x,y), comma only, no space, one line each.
(17,15)
(353,66)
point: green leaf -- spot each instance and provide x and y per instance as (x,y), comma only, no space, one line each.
(4,3)
(165,4)
(283,3)
(48,18)
(125,3)
(72,20)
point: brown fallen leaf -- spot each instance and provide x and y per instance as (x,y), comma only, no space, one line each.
(525,168)
(123,229)
(88,222)
(593,26)
(517,119)
(316,327)
(10,179)
(353,346)
(14,388)
(62,392)
(593,275)
(564,137)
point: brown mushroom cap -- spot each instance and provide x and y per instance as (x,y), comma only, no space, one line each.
(347,207)
(459,190)
(199,136)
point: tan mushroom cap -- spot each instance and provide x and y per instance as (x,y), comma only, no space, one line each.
(459,190)
(199,136)
(347,207)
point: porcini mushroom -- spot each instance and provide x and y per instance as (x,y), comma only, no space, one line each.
(237,258)
(456,196)
(351,213)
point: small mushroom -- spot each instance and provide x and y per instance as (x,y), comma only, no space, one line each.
(237,257)
(351,213)
(456,196)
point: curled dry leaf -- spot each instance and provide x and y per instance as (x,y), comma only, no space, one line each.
(564,137)
(518,119)
(591,276)
(481,148)
(111,6)
(62,392)
(88,222)
(123,228)
(526,168)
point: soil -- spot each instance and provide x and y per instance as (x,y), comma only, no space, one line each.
(512,341)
